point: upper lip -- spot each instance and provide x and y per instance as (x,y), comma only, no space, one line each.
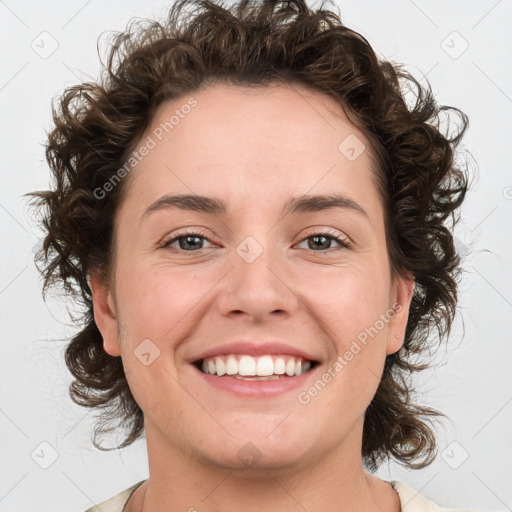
(254,348)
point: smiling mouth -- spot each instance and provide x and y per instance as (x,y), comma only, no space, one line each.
(246,367)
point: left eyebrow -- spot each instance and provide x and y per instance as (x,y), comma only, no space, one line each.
(318,203)
(215,206)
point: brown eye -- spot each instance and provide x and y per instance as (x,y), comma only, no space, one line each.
(322,242)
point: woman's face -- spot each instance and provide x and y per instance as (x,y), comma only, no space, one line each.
(265,276)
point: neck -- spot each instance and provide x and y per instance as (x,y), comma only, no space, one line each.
(334,481)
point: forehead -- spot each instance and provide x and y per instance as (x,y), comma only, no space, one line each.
(252,145)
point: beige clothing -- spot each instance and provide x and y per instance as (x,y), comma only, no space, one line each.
(410,500)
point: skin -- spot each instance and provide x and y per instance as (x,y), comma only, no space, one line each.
(254,148)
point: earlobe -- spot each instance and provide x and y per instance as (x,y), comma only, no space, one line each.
(105,314)
(404,291)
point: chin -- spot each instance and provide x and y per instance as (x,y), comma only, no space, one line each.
(253,460)
(252,449)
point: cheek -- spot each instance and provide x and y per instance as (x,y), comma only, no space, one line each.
(351,307)
(349,301)
(157,302)
(159,307)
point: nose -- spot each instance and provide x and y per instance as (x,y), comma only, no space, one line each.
(259,288)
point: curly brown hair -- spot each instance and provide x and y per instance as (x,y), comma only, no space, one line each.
(98,124)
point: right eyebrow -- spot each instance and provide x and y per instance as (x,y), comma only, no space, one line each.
(190,202)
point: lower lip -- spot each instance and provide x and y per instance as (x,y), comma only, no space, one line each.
(256,388)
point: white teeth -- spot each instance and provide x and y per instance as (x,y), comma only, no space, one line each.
(220,366)
(231,366)
(247,366)
(290,367)
(265,366)
(279,366)
(261,368)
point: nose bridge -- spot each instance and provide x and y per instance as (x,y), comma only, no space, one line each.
(257,284)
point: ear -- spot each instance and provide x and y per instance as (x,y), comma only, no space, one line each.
(105,314)
(403,288)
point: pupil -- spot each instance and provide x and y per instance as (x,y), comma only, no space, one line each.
(327,244)
(190,237)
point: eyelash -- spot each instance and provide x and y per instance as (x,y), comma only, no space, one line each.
(342,241)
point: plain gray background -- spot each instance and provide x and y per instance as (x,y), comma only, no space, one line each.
(463,48)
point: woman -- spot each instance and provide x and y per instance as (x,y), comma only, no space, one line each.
(259,228)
